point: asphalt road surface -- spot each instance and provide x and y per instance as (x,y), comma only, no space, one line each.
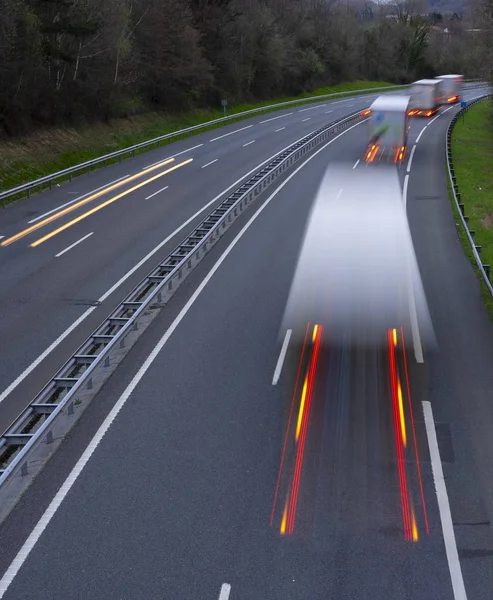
(55,294)
(184,495)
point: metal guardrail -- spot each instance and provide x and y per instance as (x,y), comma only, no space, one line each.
(70,171)
(484,269)
(52,413)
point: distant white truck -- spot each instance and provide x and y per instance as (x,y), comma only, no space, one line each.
(388,128)
(450,88)
(426,97)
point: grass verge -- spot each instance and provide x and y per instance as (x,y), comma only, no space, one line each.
(472,156)
(53,149)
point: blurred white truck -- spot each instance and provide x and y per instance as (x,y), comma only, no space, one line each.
(426,97)
(388,128)
(450,88)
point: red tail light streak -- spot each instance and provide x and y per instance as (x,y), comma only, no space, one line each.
(300,433)
(410,524)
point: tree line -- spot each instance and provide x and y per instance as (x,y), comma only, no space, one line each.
(77,60)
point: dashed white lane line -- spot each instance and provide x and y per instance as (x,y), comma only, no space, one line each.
(173,156)
(248,143)
(280,129)
(46,214)
(210,163)
(74,244)
(420,134)
(275,118)
(328,111)
(444,506)
(339,194)
(307,119)
(410,161)
(282,356)
(28,370)
(312,107)
(1,237)
(404,191)
(225,591)
(158,192)
(54,505)
(230,133)
(356,164)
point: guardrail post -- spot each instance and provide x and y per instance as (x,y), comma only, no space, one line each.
(487,270)
(478,250)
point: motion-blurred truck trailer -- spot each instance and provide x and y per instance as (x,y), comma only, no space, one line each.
(450,88)
(426,97)
(388,129)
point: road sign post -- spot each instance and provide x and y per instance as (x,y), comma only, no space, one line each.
(224,103)
(463,104)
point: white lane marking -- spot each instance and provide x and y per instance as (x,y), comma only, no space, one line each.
(328,111)
(279,117)
(349,105)
(210,163)
(158,192)
(312,107)
(356,164)
(225,591)
(420,134)
(339,194)
(230,133)
(404,191)
(42,356)
(444,506)
(74,244)
(434,119)
(1,237)
(76,199)
(129,274)
(248,143)
(410,161)
(54,505)
(173,156)
(280,129)
(307,119)
(282,356)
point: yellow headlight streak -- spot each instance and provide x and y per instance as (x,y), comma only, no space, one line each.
(82,202)
(107,203)
(302,408)
(401,413)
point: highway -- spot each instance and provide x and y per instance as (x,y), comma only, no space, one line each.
(74,279)
(178,481)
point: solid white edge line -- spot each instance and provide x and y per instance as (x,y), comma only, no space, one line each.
(312,107)
(356,164)
(420,134)
(282,356)
(230,133)
(172,156)
(74,244)
(444,506)
(129,273)
(409,162)
(225,591)
(43,522)
(280,129)
(404,190)
(275,118)
(248,143)
(210,163)
(159,191)
(46,214)
(42,356)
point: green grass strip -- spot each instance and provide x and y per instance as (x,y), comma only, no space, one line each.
(472,156)
(49,150)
